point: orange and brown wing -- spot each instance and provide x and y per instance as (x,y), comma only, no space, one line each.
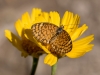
(61,44)
(43,32)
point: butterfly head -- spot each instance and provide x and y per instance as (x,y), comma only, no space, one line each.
(60,29)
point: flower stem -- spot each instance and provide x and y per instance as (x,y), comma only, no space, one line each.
(53,69)
(34,66)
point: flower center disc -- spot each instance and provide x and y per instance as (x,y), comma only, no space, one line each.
(31,48)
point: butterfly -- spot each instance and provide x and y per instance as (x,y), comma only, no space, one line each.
(57,38)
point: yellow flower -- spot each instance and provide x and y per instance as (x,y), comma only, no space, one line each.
(79,47)
(26,46)
(71,26)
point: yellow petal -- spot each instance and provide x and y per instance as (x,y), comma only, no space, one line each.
(66,19)
(73,24)
(75,54)
(50,59)
(28,35)
(46,16)
(54,60)
(39,20)
(19,28)
(82,48)
(54,18)
(83,41)
(35,13)
(79,51)
(26,21)
(79,32)
(14,40)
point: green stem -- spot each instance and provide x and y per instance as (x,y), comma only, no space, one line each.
(53,69)
(34,66)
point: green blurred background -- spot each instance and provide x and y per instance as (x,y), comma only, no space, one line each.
(11,62)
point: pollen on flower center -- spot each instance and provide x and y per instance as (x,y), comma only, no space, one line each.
(31,48)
